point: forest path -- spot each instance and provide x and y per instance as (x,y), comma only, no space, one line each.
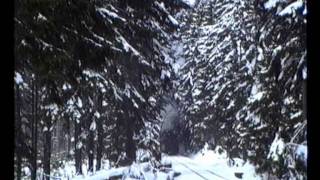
(195,170)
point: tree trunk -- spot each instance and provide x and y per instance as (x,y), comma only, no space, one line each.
(18,166)
(304,93)
(69,139)
(77,128)
(47,150)
(34,131)
(18,131)
(130,146)
(90,150)
(100,134)
(100,144)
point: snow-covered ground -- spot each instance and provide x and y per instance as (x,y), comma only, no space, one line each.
(206,164)
(135,171)
(210,164)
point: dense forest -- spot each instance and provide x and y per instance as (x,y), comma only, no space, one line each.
(125,81)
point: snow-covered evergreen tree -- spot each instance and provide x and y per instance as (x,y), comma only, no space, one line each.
(99,59)
(242,81)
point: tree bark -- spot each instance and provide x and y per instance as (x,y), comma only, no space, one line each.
(304,93)
(18,132)
(34,131)
(90,150)
(18,166)
(77,151)
(130,146)
(99,146)
(69,139)
(100,134)
(47,150)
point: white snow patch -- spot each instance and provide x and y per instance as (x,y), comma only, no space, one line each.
(288,100)
(196,92)
(52,107)
(305,10)
(258,96)
(110,14)
(41,17)
(277,148)
(93,125)
(190,3)
(66,86)
(79,102)
(231,104)
(26,171)
(97,114)
(163,8)
(272,3)
(164,74)
(302,153)
(173,20)
(260,55)
(207,156)
(79,145)
(210,160)
(255,95)
(127,47)
(152,100)
(304,73)
(291,8)
(18,78)
(297,114)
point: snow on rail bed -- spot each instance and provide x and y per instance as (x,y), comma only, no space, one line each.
(210,164)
